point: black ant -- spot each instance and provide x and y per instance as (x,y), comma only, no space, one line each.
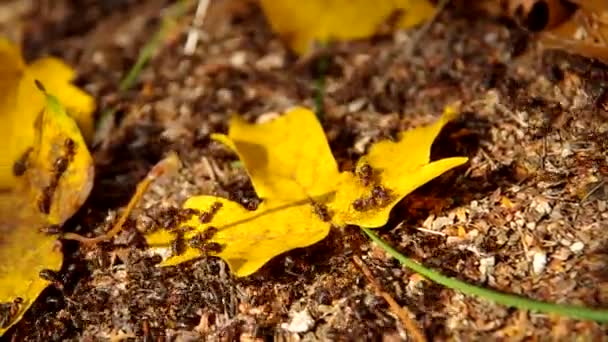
(380,198)
(321,211)
(366,174)
(51,230)
(207,216)
(20,166)
(178,246)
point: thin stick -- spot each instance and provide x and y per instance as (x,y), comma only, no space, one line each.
(401,312)
(197,23)
(591,192)
(167,165)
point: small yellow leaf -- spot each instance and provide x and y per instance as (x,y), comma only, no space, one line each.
(506,202)
(301,23)
(293,171)
(21,103)
(53,180)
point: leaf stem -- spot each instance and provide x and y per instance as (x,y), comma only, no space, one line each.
(580,312)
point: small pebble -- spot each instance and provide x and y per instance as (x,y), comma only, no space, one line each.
(238,59)
(539,261)
(441,222)
(577,247)
(566,151)
(428,222)
(486,265)
(451,240)
(562,254)
(356,105)
(270,61)
(541,206)
(300,322)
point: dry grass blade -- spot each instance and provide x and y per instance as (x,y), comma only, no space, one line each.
(194,32)
(403,314)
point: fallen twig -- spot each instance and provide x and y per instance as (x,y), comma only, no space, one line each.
(197,23)
(401,312)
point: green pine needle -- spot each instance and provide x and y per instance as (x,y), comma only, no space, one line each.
(599,315)
(173,12)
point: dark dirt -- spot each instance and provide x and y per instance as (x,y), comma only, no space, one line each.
(527,215)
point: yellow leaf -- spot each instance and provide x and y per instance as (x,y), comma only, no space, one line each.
(60,168)
(21,103)
(24,252)
(301,23)
(292,169)
(54,178)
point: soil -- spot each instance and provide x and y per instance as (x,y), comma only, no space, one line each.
(527,215)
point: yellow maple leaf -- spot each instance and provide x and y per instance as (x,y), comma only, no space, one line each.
(301,23)
(21,103)
(292,169)
(52,180)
